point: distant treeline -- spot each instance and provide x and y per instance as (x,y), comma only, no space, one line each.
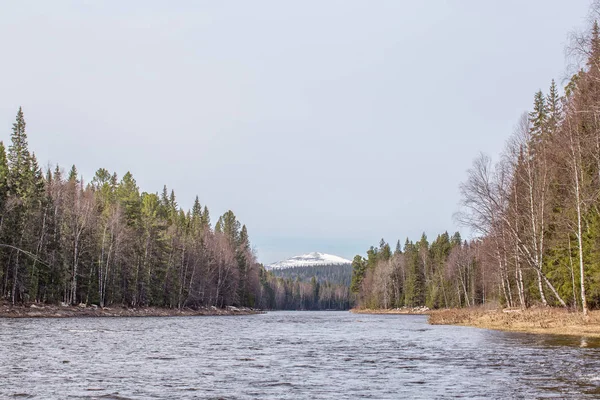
(334,274)
(296,294)
(324,287)
(444,273)
(536,211)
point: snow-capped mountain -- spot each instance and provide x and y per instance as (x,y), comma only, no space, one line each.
(309,260)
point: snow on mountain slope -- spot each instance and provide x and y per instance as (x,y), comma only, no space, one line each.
(309,260)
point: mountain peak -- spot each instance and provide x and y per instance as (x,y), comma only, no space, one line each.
(309,260)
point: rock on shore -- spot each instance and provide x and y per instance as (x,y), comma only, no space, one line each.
(82,310)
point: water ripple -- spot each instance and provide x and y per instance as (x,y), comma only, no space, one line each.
(287,355)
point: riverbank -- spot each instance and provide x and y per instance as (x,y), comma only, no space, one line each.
(554,321)
(403,311)
(61,311)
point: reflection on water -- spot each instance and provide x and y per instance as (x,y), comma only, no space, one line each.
(290,355)
(556,340)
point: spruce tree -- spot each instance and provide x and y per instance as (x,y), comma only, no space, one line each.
(164,198)
(20,181)
(37,179)
(554,107)
(593,60)
(173,201)
(128,195)
(18,158)
(195,217)
(398,250)
(456,239)
(197,208)
(3,178)
(205,218)
(244,241)
(243,248)
(230,227)
(538,117)
(73,174)
(219,225)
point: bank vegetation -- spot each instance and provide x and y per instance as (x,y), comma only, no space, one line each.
(535,216)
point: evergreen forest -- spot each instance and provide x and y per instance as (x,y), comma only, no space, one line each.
(106,242)
(534,210)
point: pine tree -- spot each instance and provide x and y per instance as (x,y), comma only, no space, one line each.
(359,267)
(385,253)
(372,257)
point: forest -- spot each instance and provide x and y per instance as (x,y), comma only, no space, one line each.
(324,287)
(104,242)
(535,213)
(334,274)
(308,293)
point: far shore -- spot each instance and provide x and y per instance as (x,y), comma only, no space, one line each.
(539,320)
(403,311)
(35,310)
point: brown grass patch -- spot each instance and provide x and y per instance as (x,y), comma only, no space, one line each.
(534,320)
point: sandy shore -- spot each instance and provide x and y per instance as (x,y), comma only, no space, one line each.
(403,311)
(57,311)
(555,321)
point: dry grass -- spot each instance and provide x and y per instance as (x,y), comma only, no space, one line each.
(535,320)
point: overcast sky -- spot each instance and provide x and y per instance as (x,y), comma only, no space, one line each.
(324,125)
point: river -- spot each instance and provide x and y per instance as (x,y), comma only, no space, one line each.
(287,355)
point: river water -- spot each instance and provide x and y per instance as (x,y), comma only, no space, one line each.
(287,355)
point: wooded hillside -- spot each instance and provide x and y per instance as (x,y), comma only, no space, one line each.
(535,211)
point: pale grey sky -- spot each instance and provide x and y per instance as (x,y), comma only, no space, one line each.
(324,125)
